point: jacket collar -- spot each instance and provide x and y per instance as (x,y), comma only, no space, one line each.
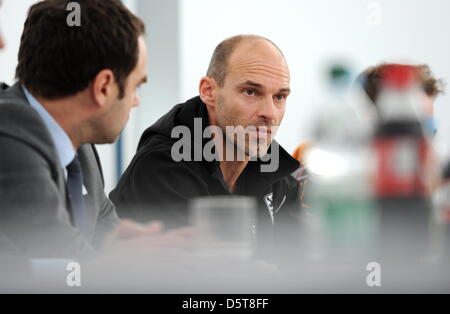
(14,92)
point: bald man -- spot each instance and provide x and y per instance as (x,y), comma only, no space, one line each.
(242,101)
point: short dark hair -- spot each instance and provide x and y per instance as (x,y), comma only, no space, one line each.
(218,66)
(372,77)
(57,60)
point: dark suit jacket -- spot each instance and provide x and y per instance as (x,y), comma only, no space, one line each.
(35,215)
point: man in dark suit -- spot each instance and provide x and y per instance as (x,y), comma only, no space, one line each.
(76,86)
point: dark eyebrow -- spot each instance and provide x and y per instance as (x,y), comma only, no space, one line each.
(253,84)
(285,90)
(257,85)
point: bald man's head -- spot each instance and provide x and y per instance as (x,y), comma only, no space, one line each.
(220,61)
(246,87)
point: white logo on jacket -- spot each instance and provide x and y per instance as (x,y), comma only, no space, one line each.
(268,200)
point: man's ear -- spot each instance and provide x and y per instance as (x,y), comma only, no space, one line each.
(103,87)
(207,89)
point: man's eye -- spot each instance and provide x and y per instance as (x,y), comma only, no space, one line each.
(249,92)
(280,97)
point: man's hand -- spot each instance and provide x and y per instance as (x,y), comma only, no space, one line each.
(128,229)
(132,243)
(130,236)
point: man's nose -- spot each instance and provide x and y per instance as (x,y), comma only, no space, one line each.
(267,110)
(136,101)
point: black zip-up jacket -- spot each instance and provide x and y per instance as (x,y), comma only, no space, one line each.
(155,187)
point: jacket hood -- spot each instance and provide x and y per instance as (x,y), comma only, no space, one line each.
(181,115)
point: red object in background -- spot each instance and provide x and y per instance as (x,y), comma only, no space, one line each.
(399,76)
(400,167)
(400,144)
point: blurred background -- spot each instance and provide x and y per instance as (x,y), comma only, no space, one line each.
(182,34)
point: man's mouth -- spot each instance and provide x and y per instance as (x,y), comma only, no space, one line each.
(263,131)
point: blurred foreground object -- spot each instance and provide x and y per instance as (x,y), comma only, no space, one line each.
(341,221)
(224,226)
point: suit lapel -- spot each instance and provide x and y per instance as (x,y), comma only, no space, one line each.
(16,94)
